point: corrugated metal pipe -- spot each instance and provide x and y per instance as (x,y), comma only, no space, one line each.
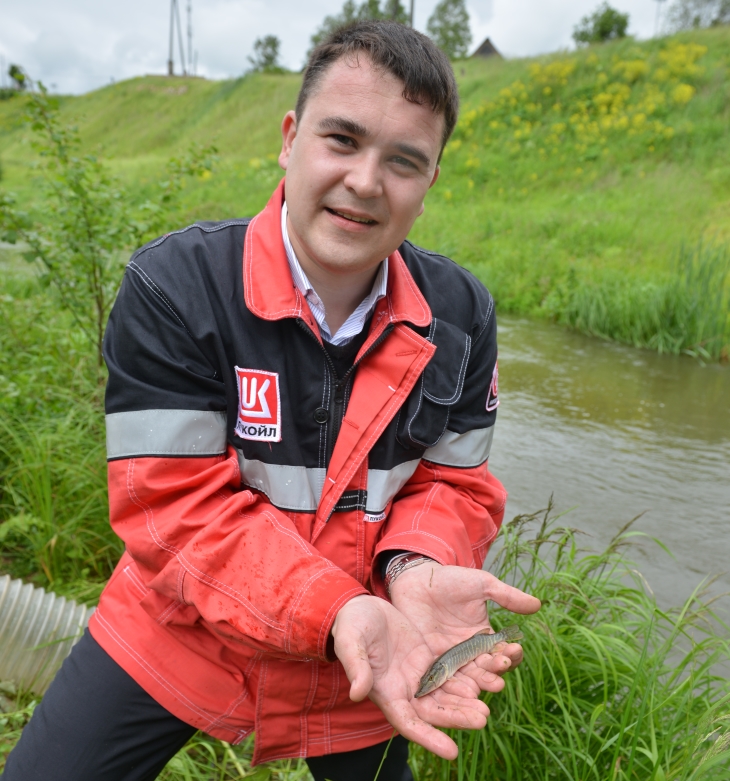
(37,631)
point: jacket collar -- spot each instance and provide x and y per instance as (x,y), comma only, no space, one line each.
(269,290)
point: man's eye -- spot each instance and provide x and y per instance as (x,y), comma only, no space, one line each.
(344,140)
(404,161)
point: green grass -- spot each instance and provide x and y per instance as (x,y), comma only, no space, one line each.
(600,181)
(612,687)
(54,528)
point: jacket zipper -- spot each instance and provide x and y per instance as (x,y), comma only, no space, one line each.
(340,408)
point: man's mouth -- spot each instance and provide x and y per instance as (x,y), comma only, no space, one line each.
(351,217)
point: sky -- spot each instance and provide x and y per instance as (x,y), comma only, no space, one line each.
(75,46)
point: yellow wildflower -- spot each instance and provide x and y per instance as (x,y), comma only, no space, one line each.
(683,93)
(631,70)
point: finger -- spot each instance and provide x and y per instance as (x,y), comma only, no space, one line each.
(402,715)
(483,678)
(498,663)
(462,685)
(514,652)
(509,597)
(354,658)
(449,711)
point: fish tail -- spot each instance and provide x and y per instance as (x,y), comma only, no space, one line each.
(512,633)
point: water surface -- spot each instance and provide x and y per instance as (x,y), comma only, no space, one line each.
(612,432)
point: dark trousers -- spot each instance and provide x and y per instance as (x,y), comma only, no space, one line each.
(96,724)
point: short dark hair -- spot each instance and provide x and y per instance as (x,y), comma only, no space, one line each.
(401,51)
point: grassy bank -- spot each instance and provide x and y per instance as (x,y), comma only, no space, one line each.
(576,185)
(611,688)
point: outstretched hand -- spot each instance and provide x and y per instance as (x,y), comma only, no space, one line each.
(384,657)
(447,605)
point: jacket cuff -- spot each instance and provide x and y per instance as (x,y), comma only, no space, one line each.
(325,596)
(438,550)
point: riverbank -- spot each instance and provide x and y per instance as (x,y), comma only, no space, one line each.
(611,686)
(614,685)
(592,188)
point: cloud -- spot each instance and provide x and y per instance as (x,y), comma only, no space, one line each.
(79,45)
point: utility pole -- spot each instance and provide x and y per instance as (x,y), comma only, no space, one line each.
(190,38)
(170,61)
(412,4)
(175,20)
(180,39)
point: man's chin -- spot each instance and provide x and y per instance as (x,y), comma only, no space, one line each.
(349,256)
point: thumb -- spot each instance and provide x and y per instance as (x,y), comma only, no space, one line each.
(354,658)
(509,597)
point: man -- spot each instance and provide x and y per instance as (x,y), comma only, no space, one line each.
(299,415)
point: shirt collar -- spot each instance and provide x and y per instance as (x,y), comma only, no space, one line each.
(356,321)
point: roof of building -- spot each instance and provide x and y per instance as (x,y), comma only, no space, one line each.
(487,49)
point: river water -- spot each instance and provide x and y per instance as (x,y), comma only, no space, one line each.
(612,432)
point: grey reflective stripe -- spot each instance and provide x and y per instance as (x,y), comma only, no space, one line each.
(462,450)
(288,487)
(300,488)
(165,432)
(384,484)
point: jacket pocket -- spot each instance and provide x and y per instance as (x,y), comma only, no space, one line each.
(424,416)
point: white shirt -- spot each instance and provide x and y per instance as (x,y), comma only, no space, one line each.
(356,321)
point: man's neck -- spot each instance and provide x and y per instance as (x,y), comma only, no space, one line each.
(341,294)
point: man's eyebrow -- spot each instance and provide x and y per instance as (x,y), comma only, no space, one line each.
(415,153)
(344,124)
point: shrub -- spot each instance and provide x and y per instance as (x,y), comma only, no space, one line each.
(88,220)
(604,24)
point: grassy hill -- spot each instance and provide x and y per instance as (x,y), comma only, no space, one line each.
(590,187)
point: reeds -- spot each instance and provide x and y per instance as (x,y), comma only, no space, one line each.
(612,688)
(687,312)
(55,527)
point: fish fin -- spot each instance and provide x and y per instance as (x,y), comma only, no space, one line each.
(486,631)
(512,633)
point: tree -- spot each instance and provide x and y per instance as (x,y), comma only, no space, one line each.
(266,55)
(351,12)
(395,10)
(686,14)
(17,74)
(604,24)
(85,221)
(448,25)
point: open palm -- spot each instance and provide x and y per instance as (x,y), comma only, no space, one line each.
(447,605)
(384,656)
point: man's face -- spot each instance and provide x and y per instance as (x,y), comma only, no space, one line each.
(358,166)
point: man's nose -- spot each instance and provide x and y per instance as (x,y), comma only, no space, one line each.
(364,176)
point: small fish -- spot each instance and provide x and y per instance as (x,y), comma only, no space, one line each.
(447,664)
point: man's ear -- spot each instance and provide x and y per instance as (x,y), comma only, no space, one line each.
(433,182)
(435,176)
(288,134)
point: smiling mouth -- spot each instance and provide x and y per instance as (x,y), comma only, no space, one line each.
(351,217)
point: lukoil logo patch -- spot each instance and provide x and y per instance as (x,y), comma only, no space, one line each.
(259,407)
(493,395)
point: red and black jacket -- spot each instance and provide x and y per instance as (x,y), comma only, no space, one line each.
(255,490)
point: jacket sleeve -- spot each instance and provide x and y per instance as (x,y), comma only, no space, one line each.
(452,507)
(204,549)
